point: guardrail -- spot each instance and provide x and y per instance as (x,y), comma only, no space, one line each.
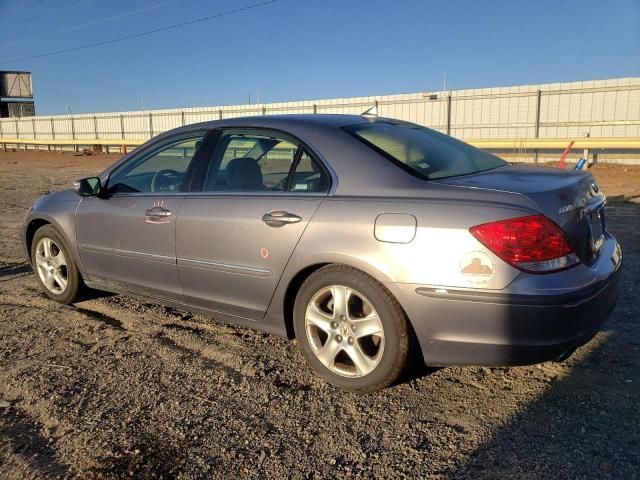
(75,143)
(611,143)
(515,144)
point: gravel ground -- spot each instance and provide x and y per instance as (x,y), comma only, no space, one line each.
(114,388)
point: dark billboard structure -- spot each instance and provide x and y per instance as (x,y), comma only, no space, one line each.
(16,95)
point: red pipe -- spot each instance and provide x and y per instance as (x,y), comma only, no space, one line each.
(564,154)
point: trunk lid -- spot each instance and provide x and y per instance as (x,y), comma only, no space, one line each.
(571,199)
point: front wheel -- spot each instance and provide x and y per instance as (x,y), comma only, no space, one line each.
(55,268)
(351,329)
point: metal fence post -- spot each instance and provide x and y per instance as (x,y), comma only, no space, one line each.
(17,129)
(449,114)
(33,127)
(182,117)
(151,124)
(53,134)
(537,125)
(264,110)
(538,102)
(122,126)
(95,126)
(315,108)
(73,134)
(220,114)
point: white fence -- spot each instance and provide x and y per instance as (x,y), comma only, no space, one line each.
(597,108)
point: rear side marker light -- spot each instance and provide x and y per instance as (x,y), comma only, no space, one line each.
(532,244)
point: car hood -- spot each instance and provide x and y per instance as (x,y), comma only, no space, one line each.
(55,197)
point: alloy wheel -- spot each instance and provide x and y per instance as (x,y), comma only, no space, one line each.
(344,331)
(52,266)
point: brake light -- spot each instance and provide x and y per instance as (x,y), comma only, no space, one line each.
(534,243)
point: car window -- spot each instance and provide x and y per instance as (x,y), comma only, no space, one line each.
(422,151)
(160,171)
(308,176)
(250,163)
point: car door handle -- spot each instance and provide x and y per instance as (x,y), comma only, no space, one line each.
(156,212)
(279,218)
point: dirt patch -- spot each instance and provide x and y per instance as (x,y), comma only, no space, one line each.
(116,388)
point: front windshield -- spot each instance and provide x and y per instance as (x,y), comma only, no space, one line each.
(422,151)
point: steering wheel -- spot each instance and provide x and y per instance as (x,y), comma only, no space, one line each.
(166,180)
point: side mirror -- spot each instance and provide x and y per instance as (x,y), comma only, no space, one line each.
(88,187)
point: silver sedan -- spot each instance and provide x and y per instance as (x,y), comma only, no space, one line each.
(373,242)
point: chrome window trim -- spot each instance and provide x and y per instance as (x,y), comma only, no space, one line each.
(315,155)
(106,175)
(256,194)
(153,145)
(147,194)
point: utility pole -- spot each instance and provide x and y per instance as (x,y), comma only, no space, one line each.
(444,85)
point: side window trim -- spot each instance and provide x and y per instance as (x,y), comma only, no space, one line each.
(198,167)
(303,148)
(152,149)
(292,169)
(225,137)
(216,156)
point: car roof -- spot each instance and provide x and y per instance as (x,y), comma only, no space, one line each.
(289,121)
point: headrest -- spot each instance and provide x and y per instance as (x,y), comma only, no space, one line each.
(244,173)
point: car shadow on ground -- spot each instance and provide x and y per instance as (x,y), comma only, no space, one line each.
(30,443)
(587,420)
(91,294)
(14,270)
(417,371)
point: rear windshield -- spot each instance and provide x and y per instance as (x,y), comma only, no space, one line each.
(422,151)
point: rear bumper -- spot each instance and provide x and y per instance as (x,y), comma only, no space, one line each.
(519,327)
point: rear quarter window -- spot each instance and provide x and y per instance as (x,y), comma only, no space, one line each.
(423,152)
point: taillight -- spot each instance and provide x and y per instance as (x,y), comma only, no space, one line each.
(534,243)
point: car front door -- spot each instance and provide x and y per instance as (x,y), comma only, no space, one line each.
(236,234)
(126,237)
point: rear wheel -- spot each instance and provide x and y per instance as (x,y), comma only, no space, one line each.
(351,329)
(56,271)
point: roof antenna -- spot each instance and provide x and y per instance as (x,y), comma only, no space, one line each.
(370,112)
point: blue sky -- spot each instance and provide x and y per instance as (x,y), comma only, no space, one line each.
(299,49)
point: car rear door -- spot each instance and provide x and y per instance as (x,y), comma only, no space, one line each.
(236,234)
(126,238)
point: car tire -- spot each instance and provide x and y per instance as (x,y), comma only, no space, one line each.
(345,344)
(54,266)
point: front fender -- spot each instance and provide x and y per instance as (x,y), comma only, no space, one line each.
(59,210)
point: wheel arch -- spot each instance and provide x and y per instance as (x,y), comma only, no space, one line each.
(296,280)
(291,293)
(32,227)
(37,221)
